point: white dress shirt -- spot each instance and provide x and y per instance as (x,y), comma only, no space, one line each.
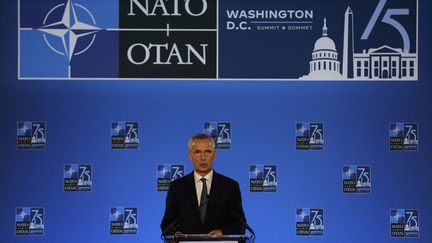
(199,184)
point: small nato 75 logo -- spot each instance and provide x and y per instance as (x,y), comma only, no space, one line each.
(404,223)
(309,221)
(262,178)
(403,136)
(356,179)
(77,177)
(31,135)
(167,173)
(309,136)
(123,221)
(124,135)
(220,132)
(29,221)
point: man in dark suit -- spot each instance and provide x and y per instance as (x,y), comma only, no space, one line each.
(204,201)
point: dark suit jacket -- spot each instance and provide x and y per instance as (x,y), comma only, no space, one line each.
(224,208)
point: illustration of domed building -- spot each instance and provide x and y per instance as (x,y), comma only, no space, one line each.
(324,63)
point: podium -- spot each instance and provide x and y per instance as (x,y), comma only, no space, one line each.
(205,238)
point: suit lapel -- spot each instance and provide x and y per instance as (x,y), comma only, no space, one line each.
(212,196)
(215,184)
(191,194)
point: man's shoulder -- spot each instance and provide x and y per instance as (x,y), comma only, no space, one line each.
(225,179)
(182,180)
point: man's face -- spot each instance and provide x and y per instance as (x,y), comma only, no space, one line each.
(202,155)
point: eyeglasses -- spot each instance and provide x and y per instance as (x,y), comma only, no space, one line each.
(199,153)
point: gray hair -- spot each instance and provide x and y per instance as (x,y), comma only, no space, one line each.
(200,136)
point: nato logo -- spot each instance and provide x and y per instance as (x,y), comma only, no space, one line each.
(262,178)
(309,136)
(123,221)
(57,37)
(77,177)
(29,221)
(220,132)
(404,223)
(403,136)
(108,39)
(124,135)
(167,173)
(356,179)
(31,135)
(309,221)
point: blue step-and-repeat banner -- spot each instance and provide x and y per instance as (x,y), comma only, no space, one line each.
(321,110)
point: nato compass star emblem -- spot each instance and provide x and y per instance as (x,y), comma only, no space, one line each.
(349,173)
(69,29)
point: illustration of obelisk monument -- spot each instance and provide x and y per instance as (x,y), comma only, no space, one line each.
(348,45)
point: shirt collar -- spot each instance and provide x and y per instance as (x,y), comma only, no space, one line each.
(208,177)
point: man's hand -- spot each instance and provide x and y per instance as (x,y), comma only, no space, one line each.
(216,232)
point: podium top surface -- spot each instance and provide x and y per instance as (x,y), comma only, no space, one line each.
(206,237)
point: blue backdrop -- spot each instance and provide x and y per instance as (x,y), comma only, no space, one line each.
(78,115)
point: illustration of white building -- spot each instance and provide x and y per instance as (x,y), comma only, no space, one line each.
(324,63)
(385,63)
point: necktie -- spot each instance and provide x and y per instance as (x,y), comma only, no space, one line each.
(204,198)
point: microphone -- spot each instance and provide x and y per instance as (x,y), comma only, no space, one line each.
(236,215)
(246,225)
(171,226)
